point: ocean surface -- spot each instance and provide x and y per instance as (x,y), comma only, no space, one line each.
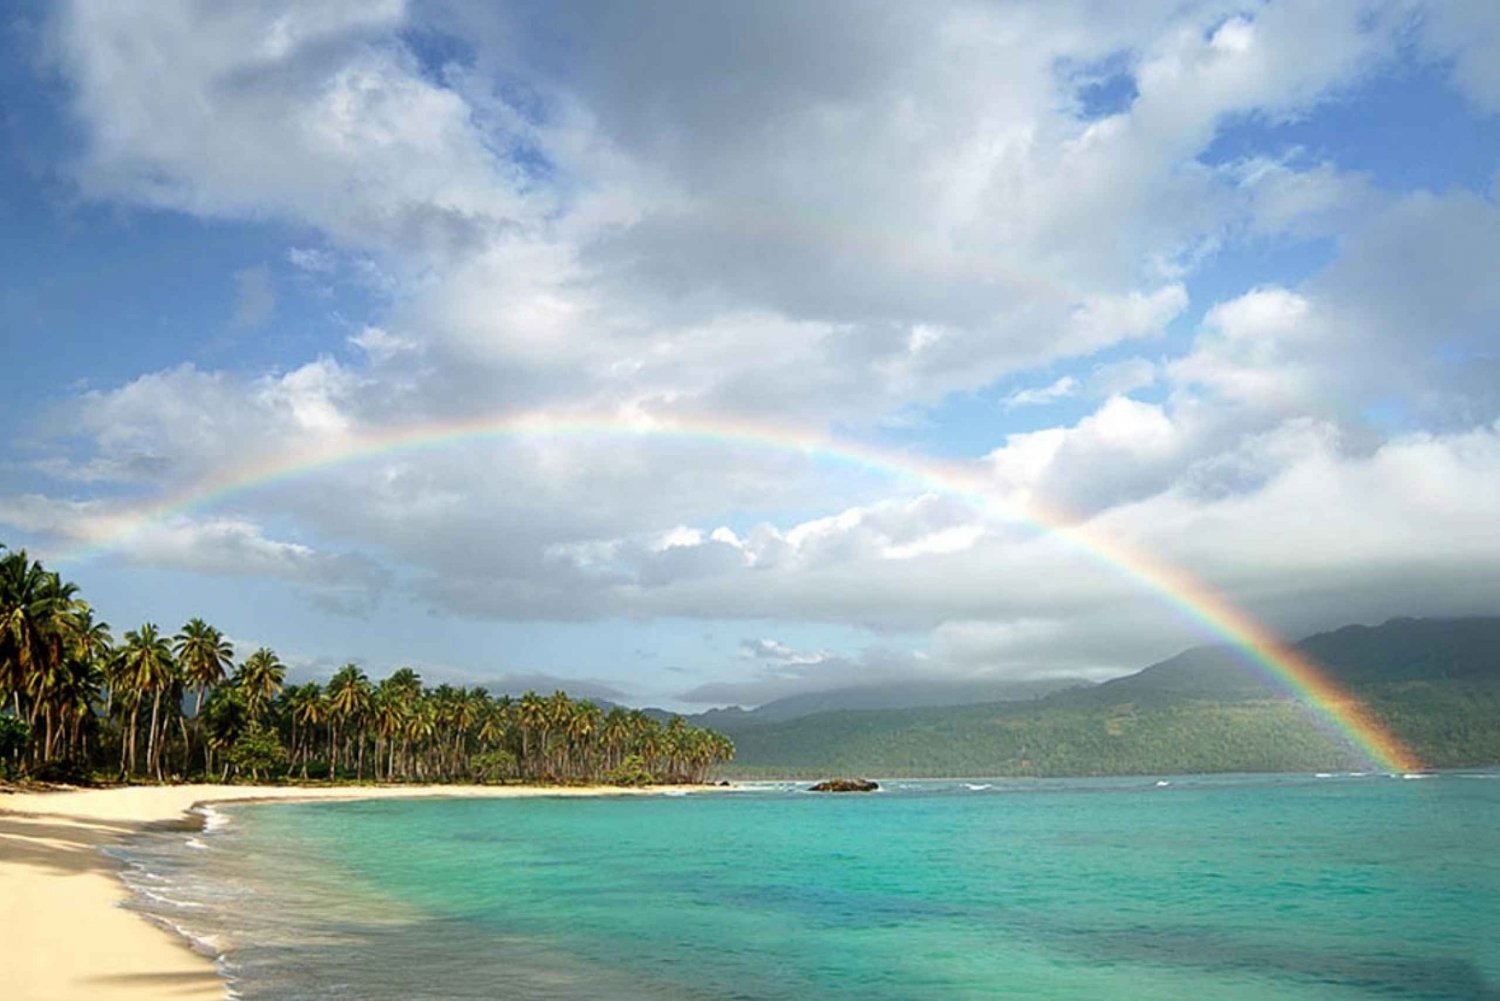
(1235,887)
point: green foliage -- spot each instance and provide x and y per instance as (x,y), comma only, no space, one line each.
(1433,683)
(494,766)
(124,708)
(15,738)
(1447,724)
(630,772)
(257,752)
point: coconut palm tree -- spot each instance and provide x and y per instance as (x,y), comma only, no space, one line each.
(260,677)
(205,657)
(225,717)
(531,716)
(350,696)
(306,708)
(147,669)
(36,615)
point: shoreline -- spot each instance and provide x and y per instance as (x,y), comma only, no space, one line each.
(60,893)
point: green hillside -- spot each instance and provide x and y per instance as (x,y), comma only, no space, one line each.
(1436,683)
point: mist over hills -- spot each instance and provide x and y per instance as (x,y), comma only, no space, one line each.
(1434,682)
(903,695)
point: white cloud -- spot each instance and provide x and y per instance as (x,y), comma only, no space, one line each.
(928,214)
(775,650)
(1061,389)
(304,114)
(216,545)
(1467,32)
(1121,377)
(836,227)
(380,345)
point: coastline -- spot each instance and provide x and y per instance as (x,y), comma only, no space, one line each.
(66,935)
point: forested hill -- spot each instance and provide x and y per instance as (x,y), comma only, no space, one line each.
(1434,682)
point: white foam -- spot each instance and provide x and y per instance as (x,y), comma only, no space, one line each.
(195,843)
(979,787)
(1323,775)
(1162,782)
(161,898)
(213,820)
(202,943)
(1416,775)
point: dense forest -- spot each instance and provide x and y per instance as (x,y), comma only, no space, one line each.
(1434,683)
(80,706)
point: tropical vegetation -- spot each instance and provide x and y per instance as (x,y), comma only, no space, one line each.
(1433,683)
(76,704)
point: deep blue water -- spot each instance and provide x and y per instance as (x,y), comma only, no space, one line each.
(1258,887)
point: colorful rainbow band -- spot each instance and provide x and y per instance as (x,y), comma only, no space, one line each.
(1329,702)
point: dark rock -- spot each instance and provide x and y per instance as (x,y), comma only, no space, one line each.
(845,785)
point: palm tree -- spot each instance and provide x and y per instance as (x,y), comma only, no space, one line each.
(615,733)
(205,656)
(146,669)
(349,700)
(36,607)
(57,660)
(583,727)
(388,712)
(306,707)
(531,715)
(260,678)
(225,717)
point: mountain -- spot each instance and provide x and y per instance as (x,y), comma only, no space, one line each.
(903,695)
(1434,682)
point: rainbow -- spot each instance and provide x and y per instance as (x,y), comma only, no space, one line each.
(1336,708)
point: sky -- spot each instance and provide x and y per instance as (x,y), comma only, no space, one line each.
(1218,281)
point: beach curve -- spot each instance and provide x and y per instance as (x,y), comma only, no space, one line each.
(66,935)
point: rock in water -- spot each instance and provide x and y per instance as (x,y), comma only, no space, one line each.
(845,785)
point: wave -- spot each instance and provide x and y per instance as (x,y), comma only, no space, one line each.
(203,943)
(979,787)
(213,820)
(139,888)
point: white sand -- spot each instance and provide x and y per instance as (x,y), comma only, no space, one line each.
(63,934)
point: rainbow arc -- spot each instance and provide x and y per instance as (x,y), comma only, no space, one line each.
(1260,648)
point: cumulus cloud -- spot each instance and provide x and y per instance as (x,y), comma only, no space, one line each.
(803,219)
(217,546)
(929,212)
(1467,34)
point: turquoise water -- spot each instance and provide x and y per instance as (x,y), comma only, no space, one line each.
(1251,887)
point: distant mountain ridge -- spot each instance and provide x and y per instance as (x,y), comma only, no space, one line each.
(1434,682)
(907,695)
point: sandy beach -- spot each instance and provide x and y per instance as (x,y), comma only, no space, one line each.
(65,934)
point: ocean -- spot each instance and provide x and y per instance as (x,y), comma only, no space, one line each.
(1224,887)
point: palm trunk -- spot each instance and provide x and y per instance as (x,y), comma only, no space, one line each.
(153,756)
(124,747)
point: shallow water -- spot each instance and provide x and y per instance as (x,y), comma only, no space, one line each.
(1250,887)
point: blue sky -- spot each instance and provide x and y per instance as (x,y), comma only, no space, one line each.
(1212,277)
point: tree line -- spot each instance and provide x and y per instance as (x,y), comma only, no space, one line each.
(76,703)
